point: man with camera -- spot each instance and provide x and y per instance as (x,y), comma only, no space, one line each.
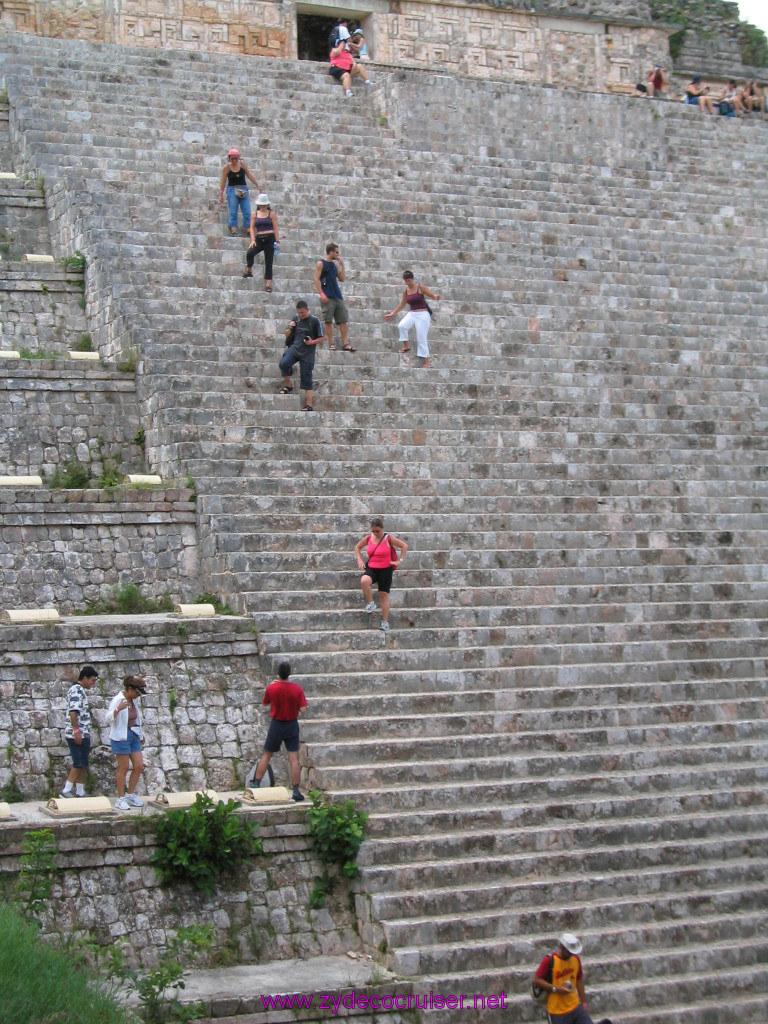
(302,336)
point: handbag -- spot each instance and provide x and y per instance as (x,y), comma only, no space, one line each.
(429,308)
(241,193)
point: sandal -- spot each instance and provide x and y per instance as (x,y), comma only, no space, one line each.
(332,347)
(406,349)
(307,408)
(233,231)
(287,391)
(248,273)
(268,287)
(348,348)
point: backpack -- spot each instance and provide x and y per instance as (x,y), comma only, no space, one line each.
(541,995)
(333,38)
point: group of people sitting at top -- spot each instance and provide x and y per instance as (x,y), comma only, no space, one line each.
(347,53)
(734,101)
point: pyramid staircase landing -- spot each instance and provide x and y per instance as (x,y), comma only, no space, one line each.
(567,726)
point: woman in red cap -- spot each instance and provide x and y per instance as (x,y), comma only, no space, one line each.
(233,179)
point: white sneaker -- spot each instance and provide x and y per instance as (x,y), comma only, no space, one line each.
(370,607)
(385,626)
(122,804)
(67,794)
(133,800)
(348,92)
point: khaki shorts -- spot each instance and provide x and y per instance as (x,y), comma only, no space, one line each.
(335,310)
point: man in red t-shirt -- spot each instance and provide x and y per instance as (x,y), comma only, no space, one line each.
(286,702)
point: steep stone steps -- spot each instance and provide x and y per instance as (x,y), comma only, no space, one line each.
(650,675)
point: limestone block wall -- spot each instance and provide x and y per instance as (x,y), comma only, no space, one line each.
(204,720)
(69,548)
(107,888)
(593,46)
(227,26)
(23,224)
(68,412)
(40,307)
(476,41)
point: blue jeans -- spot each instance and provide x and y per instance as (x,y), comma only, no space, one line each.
(233,202)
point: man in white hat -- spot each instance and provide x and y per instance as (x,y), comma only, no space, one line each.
(560,974)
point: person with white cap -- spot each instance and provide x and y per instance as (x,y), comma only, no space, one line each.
(233,179)
(561,975)
(265,237)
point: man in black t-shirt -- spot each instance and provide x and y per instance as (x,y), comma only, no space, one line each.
(302,336)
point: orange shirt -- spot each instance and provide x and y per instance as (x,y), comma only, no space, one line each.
(563,972)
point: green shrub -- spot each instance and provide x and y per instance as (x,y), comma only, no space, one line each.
(337,831)
(39,983)
(203,844)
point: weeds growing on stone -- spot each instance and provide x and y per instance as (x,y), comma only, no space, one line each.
(72,476)
(128,600)
(84,343)
(75,263)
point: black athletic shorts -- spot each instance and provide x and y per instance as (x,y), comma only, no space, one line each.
(282,732)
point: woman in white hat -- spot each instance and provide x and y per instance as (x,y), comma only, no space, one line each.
(126,739)
(265,237)
(233,179)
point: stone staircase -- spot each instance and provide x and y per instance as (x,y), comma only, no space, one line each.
(566,727)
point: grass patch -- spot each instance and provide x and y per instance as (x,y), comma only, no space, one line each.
(40,983)
(84,343)
(127,600)
(10,793)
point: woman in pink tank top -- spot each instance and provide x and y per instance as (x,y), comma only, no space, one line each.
(384,554)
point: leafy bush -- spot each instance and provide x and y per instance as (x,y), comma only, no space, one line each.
(203,844)
(337,831)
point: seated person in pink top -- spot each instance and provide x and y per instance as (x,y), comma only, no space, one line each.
(344,67)
(382,560)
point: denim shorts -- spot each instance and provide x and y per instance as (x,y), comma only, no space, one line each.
(79,752)
(306,367)
(130,746)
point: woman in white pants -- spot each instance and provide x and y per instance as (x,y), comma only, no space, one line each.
(418,316)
